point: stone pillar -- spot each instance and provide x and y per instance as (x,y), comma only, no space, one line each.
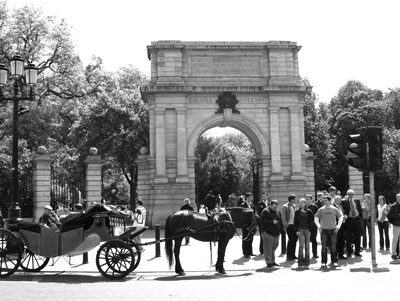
(93,176)
(356,182)
(181,152)
(161,173)
(41,182)
(295,138)
(276,165)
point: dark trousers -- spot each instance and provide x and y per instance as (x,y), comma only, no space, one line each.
(384,241)
(291,244)
(261,240)
(353,234)
(313,239)
(247,245)
(283,242)
(341,240)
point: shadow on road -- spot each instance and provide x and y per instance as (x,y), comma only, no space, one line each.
(64,278)
(200,277)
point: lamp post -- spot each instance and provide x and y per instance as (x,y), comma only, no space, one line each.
(19,83)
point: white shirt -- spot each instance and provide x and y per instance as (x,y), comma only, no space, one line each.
(291,216)
(140,219)
(381,209)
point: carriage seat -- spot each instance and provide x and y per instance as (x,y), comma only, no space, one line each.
(24,225)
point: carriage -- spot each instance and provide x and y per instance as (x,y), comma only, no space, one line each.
(31,245)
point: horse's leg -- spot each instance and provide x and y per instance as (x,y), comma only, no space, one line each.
(222,244)
(177,249)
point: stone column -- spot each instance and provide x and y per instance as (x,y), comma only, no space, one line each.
(161,170)
(41,182)
(93,176)
(181,146)
(276,166)
(295,144)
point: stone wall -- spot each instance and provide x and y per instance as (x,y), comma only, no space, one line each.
(186,80)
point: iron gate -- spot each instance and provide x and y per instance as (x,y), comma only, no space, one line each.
(25,192)
(67,187)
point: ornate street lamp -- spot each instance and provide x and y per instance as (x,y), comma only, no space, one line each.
(15,74)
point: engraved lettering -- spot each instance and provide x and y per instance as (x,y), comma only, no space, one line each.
(224,65)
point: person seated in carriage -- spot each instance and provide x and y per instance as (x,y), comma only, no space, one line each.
(49,218)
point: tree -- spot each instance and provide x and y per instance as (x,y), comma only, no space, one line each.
(117,124)
(317,137)
(225,164)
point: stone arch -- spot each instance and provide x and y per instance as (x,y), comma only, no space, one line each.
(239,122)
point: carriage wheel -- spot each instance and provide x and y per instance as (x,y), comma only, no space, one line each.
(10,253)
(115,259)
(33,262)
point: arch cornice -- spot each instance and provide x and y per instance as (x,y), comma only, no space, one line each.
(239,122)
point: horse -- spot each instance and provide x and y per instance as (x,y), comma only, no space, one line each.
(220,226)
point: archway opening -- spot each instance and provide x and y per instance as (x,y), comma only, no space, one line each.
(226,164)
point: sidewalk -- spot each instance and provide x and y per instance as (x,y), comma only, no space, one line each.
(196,258)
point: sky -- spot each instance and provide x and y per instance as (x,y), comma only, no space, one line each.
(341,40)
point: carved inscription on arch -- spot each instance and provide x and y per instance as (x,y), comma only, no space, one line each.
(207,99)
(224,65)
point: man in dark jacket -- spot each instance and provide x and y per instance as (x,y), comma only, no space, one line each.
(394,218)
(314,230)
(271,227)
(352,212)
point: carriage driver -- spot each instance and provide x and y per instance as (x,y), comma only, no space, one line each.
(49,218)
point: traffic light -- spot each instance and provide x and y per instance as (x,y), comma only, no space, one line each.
(375,148)
(357,149)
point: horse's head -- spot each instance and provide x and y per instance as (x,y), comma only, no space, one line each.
(242,217)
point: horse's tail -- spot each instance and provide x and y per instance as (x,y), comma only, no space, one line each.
(168,242)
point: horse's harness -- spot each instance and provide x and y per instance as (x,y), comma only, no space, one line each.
(215,228)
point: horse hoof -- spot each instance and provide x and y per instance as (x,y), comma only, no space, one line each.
(181,274)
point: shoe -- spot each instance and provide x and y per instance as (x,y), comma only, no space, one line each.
(394,257)
(295,257)
(348,255)
(270,265)
(387,249)
(323,265)
(315,257)
(246,256)
(334,264)
(253,255)
(380,249)
(358,254)
(342,257)
(275,264)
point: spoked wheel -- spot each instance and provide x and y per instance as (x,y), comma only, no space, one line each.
(10,253)
(115,259)
(33,262)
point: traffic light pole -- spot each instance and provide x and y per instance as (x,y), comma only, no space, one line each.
(373,216)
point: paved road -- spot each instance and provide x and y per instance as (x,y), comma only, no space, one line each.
(247,279)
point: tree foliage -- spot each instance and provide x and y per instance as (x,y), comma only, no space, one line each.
(225,164)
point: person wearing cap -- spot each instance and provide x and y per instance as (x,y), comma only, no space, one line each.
(271,227)
(49,218)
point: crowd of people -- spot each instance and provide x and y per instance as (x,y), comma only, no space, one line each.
(343,223)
